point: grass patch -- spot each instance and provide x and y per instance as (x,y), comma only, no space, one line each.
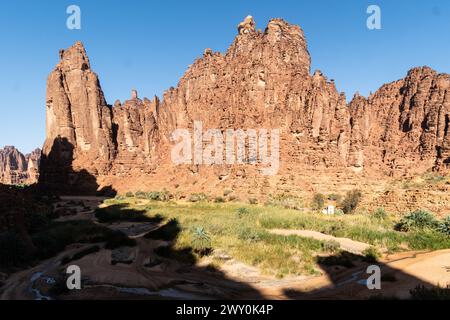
(241,230)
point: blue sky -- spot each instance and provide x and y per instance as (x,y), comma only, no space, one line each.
(148,45)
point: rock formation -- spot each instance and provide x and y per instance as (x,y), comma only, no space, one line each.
(16,168)
(262,81)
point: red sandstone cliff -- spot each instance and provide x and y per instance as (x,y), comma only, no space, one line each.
(16,168)
(262,81)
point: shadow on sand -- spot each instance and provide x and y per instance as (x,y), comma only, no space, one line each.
(58,177)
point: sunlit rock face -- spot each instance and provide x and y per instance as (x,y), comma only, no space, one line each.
(263,81)
(16,168)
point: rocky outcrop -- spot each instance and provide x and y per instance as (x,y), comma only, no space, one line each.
(16,168)
(404,126)
(262,81)
(33,163)
(79,134)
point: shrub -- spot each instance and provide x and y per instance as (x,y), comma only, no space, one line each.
(249,235)
(338,212)
(286,201)
(219,200)
(129,194)
(201,241)
(419,219)
(371,254)
(253,201)
(343,258)
(351,201)
(331,246)
(444,226)
(140,195)
(334,197)
(435,293)
(380,214)
(159,195)
(318,201)
(241,212)
(196,197)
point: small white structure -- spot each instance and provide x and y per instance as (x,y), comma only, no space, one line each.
(329,210)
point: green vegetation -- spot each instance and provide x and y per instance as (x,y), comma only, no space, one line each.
(153,195)
(351,201)
(331,246)
(371,254)
(242,231)
(380,214)
(419,219)
(196,197)
(201,241)
(318,201)
(360,227)
(241,212)
(285,201)
(334,197)
(434,293)
(444,226)
(219,200)
(428,178)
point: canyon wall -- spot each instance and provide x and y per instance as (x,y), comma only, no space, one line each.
(263,81)
(16,168)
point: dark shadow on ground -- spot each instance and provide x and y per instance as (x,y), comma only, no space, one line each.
(349,275)
(57,175)
(121,212)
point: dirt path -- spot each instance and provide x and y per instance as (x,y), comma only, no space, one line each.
(346,244)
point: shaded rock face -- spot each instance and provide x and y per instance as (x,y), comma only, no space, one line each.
(15,208)
(16,168)
(263,81)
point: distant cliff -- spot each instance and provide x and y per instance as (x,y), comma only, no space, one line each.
(16,168)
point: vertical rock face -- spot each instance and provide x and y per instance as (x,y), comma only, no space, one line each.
(33,164)
(404,126)
(77,110)
(136,136)
(15,168)
(78,116)
(263,81)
